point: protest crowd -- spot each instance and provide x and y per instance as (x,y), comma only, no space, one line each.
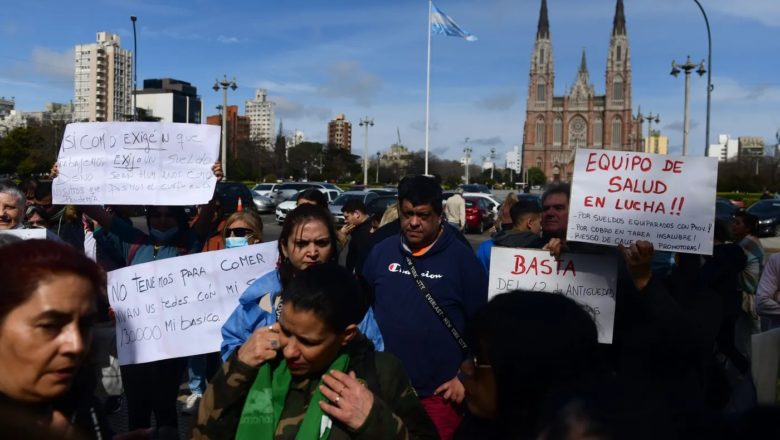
(404,341)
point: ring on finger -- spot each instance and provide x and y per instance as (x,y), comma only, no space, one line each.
(337,400)
(274,344)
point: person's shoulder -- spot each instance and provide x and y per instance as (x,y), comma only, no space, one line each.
(265,285)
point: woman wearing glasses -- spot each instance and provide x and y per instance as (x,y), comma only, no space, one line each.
(242,228)
(308,238)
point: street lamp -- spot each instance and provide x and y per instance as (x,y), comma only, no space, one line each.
(225,84)
(467,151)
(365,122)
(687,67)
(378,154)
(492,162)
(650,118)
(709,77)
(133,18)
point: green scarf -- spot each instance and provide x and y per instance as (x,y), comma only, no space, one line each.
(264,404)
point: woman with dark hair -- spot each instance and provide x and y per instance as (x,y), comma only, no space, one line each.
(529,348)
(47,306)
(313,374)
(308,238)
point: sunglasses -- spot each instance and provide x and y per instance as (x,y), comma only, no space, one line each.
(239,232)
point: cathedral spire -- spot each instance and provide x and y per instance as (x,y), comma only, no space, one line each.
(619,22)
(583,63)
(543,29)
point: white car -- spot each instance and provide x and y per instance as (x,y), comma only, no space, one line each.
(288,205)
(264,189)
(493,204)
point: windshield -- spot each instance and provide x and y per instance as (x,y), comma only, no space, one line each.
(344,198)
(765,208)
(263,187)
(722,208)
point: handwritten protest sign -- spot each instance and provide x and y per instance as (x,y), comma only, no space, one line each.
(136,163)
(586,278)
(620,197)
(177,306)
(27,234)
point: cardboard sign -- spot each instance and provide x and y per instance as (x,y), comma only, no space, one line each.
(27,234)
(620,197)
(176,307)
(588,279)
(136,163)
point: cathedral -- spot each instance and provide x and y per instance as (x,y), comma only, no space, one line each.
(555,126)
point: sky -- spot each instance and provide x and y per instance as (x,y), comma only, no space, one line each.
(320,58)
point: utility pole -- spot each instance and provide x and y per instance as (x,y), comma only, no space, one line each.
(687,67)
(225,84)
(365,122)
(467,159)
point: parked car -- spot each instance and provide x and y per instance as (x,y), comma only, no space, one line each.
(264,189)
(288,205)
(768,213)
(479,215)
(383,191)
(724,211)
(263,204)
(228,194)
(379,205)
(335,206)
(475,188)
(287,191)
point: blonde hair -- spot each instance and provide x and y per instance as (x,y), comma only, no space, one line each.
(250,218)
(391,213)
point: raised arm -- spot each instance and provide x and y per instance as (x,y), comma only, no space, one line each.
(202,226)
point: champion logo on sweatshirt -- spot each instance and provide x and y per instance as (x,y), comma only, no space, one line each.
(396,267)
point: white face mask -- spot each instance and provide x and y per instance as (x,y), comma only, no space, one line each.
(232,242)
(164,236)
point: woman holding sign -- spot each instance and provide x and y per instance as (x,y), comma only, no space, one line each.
(152,388)
(308,238)
(313,374)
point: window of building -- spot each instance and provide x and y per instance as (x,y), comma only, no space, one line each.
(618,52)
(598,129)
(557,131)
(539,133)
(541,55)
(539,162)
(617,89)
(541,90)
(616,133)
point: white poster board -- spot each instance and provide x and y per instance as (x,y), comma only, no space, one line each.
(620,197)
(176,307)
(27,234)
(589,279)
(136,163)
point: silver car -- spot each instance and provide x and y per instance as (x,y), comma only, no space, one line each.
(263,204)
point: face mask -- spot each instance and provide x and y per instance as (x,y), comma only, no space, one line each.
(164,236)
(232,242)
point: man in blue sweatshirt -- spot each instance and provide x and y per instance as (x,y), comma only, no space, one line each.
(411,329)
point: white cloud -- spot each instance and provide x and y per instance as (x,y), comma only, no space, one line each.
(731,90)
(766,12)
(228,40)
(502,100)
(347,79)
(53,64)
(285,87)
(288,109)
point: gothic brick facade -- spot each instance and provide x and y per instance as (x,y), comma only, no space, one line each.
(555,126)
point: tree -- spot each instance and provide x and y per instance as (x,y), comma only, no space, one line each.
(536,176)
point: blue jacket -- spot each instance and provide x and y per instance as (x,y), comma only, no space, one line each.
(411,329)
(256,309)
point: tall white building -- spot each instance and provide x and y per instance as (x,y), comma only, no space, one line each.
(261,118)
(103,80)
(725,150)
(514,159)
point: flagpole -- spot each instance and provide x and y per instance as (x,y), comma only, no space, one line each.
(428,88)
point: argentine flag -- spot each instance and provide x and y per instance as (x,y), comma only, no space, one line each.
(441,23)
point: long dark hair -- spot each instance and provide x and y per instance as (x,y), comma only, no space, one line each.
(537,344)
(303,214)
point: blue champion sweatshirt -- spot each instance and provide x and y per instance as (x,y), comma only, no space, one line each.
(410,328)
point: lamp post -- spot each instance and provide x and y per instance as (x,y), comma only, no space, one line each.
(650,118)
(225,84)
(133,18)
(378,154)
(467,151)
(365,122)
(709,77)
(492,162)
(687,67)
